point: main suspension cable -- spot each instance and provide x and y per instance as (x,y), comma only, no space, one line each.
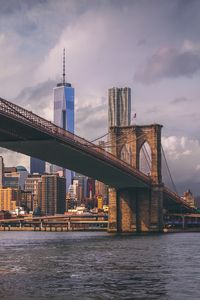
(168,169)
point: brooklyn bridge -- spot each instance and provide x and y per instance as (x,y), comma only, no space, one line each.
(137,201)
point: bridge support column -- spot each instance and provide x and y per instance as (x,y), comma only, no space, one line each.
(136,210)
(143,201)
(122,211)
(112,216)
(127,211)
(150,209)
(156,208)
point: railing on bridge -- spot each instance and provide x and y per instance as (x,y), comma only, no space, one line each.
(177,198)
(27,117)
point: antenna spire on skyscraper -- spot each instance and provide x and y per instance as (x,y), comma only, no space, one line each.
(63,66)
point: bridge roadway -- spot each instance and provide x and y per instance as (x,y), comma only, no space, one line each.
(25,132)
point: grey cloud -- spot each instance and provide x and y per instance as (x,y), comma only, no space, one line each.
(91,121)
(35,97)
(169,63)
(180,100)
(152,110)
(141,42)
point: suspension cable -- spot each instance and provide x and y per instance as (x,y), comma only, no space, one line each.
(99,138)
(170,175)
(147,153)
(145,156)
(119,143)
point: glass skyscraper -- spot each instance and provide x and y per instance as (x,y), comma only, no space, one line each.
(64,115)
(64,106)
(37,165)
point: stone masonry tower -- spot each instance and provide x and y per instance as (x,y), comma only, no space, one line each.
(137,209)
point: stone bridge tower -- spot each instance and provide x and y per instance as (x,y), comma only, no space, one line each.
(137,209)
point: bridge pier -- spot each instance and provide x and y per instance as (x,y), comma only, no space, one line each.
(135,210)
(112,216)
(126,211)
(122,211)
(143,208)
(156,208)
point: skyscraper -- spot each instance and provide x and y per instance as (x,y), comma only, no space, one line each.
(64,113)
(37,165)
(119,107)
(53,194)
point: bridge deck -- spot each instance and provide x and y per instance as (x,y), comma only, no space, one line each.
(24,132)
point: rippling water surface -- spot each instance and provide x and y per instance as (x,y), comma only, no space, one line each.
(80,265)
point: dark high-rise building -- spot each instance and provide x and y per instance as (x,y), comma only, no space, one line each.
(90,188)
(37,165)
(52,198)
(119,107)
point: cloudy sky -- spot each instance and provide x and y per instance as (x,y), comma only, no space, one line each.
(152,46)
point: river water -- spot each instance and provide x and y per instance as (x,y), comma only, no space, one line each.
(96,265)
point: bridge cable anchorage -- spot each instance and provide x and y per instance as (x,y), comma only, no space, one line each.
(168,169)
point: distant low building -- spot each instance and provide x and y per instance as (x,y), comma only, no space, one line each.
(189,198)
(4,214)
(9,198)
(26,200)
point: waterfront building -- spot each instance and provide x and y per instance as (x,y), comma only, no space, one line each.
(100,202)
(70,198)
(53,194)
(9,198)
(23,174)
(32,185)
(11,180)
(119,107)
(1,171)
(100,188)
(16,178)
(82,185)
(90,188)
(10,169)
(26,200)
(64,114)
(189,198)
(37,165)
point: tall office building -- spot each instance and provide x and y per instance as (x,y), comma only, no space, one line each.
(37,165)
(31,185)
(8,198)
(64,114)
(53,194)
(119,107)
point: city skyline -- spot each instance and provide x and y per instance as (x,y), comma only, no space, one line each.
(151,47)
